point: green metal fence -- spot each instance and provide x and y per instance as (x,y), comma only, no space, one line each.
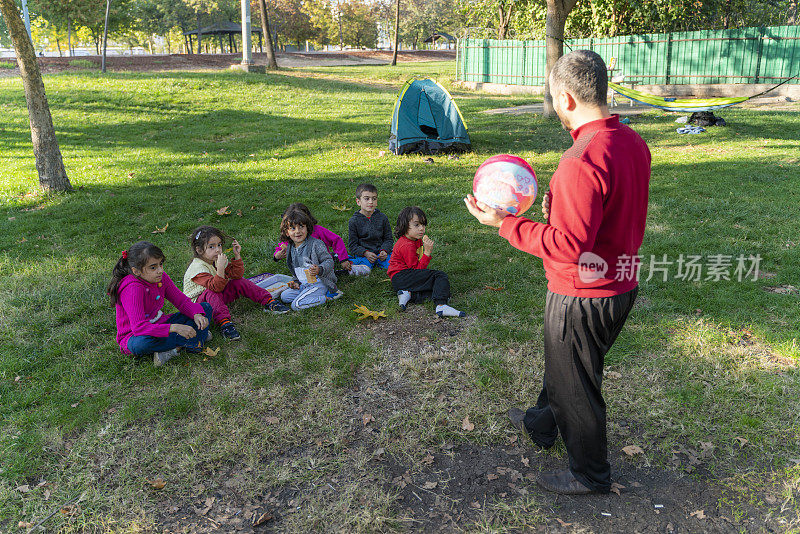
(749,55)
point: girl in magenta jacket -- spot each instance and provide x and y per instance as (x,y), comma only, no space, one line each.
(138,289)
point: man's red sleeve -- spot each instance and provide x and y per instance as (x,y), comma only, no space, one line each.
(576,211)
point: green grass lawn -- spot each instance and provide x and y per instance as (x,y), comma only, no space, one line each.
(699,361)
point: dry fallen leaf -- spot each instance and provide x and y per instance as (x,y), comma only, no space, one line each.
(632,450)
(699,514)
(500,288)
(17,378)
(238,213)
(526,462)
(272,420)
(263,518)
(367,418)
(741,441)
(157,483)
(475,504)
(208,506)
(23,524)
(24,489)
(429,485)
(71,509)
(379,452)
(563,523)
(366,312)
(466,425)
(616,487)
(343,207)
(613,374)
(224,210)
(47,494)
(160,230)
(208,351)
(428,460)
(492,476)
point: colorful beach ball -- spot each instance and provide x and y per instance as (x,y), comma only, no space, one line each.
(506,182)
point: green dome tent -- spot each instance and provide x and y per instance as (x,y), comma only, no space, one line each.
(427,121)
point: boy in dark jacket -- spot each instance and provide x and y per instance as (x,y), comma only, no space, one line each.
(369,233)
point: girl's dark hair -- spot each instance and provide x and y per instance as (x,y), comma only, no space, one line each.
(295,218)
(201,235)
(301,207)
(404,219)
(136,256)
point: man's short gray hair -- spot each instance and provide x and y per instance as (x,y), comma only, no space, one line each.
(583,74)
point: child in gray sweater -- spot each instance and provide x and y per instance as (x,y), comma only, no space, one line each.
(309,262)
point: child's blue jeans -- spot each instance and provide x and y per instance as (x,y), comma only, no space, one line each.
(361,260)
(308,296)
(140,345)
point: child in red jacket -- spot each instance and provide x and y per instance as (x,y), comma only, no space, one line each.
(408,264)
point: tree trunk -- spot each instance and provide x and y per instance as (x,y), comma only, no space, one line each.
(396,33)
(505,19)
(69,37)
(272,63)
(49,165)
(339,19)
(726,17)
(58,45)
(199,36)
(557,11)
(791,19)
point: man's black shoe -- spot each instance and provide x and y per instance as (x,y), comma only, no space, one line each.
(517,418)
(563,482)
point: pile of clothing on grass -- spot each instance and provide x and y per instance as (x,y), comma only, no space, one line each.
(699,119)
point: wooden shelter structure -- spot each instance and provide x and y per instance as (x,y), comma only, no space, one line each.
(220,29)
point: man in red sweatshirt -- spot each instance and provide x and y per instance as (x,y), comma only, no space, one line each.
(595,211)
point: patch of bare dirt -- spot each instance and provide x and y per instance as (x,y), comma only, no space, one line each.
(167,62)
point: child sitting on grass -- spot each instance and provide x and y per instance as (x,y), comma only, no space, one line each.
(309,262)
(138,289)
(411,278)
(212,278)
(369,235)
(334,243)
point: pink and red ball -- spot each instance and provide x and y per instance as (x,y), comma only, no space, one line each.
(506,182)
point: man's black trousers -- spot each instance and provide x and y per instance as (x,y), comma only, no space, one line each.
(578,332)
(423,284)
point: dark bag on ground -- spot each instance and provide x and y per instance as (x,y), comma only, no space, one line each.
(706,118)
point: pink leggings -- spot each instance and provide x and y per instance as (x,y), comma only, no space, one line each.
(238,287)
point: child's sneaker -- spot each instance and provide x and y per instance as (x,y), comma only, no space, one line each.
(360,270)
(443,310)
(402,298)
(333,295)
(160,358)
(230,333)
(277,307)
